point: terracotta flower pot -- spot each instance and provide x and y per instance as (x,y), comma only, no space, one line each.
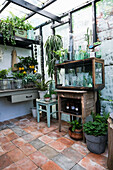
(77,134)
(47,99)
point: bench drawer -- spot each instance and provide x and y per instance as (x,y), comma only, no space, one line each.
(23,97)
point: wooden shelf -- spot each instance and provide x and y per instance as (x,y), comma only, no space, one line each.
(69,113)
(20,42)
(78,62)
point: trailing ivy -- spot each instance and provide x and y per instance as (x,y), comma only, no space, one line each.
(8,28)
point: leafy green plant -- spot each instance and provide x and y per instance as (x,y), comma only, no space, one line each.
(27,62)
(95,128)
(29,77)
(42,86)
(47,95)
(99,118)
(53,92)
(75,125)
(4,73)
(61,54)
(20,23)
(53,43)
(8,27)
(39,76)
(99,125)
(17,75)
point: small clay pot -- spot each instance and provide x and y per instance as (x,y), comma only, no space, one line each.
(77,134)
(47,99)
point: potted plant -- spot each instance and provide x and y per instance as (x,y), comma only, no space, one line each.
(53,95)
(9,28)
(47,97)
(96,133)
(53,43)
(75,131)
(29,80)
(18,77)
(42,87)
(4,78)
(27,64)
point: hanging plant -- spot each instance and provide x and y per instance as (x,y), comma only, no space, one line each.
(53,43)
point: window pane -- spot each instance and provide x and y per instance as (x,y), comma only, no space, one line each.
(82,29)
(64,32)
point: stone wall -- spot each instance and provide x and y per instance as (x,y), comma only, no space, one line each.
(105,35)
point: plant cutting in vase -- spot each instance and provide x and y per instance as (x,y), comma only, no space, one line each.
(18,78)
(47,97)
(53,94)
(96,133)
(3,74)
(75,131)
(4,78)
(62,53)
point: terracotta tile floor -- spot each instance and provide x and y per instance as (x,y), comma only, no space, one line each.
(28,145)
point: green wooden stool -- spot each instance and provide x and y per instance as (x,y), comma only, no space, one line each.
(39,103)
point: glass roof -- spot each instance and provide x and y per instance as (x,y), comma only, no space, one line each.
(61,6)
(57,8)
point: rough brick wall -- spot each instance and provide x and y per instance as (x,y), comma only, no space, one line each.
(105,35)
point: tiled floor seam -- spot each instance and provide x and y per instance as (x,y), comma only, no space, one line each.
(73,166)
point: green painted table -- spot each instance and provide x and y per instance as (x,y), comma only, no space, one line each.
(39,103)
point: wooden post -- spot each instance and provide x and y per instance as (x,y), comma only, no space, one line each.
(110,144)
(59,112)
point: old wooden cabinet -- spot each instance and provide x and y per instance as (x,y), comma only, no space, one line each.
(80,103)
(87,74)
